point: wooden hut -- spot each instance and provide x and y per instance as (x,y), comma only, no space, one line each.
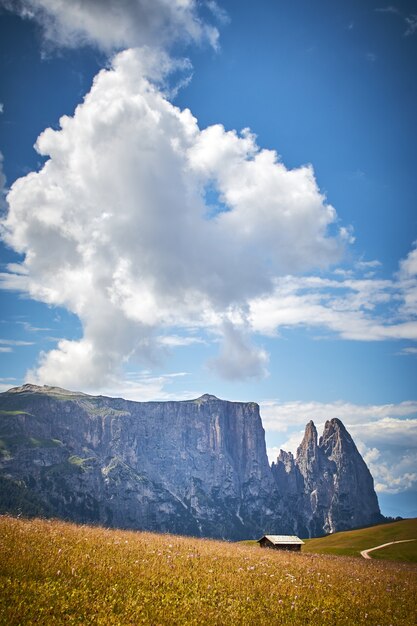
(281,542)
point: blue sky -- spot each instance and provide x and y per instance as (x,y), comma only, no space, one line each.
(155,253)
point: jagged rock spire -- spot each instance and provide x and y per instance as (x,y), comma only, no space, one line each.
(328,484)
(308,453)
(336,439)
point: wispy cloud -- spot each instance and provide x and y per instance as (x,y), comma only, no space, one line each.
(144,386)
(3,187)
(15,342)
(33,329)
(280,416)
(366,265)
(239,357)
(392,473)
(354,308)
(409,351)
(388,9)
(219,13)
(410,20)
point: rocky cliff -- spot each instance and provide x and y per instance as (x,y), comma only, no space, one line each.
(328,482)
(193,467)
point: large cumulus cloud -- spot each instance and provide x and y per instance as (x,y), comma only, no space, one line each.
(116,228)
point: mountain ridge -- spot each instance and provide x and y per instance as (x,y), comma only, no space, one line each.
(195,467)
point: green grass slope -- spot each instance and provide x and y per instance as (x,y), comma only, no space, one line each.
(406,552)
(351,542)
(59,573)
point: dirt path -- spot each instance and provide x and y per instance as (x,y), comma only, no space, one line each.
(365,553)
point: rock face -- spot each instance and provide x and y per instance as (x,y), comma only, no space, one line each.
(328,482)
(195,467)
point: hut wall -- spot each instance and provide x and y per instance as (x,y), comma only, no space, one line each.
(264,543)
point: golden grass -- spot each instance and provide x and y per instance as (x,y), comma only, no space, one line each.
(58,573)
(351,542)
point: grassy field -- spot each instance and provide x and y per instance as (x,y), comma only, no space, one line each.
(406,552)
(351,542)
(59,573)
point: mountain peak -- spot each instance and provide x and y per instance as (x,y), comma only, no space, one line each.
(310,436)
(310,427)
(207,397)
(308,454)
(285,457)
(336,437)
(46,389)
(335,424)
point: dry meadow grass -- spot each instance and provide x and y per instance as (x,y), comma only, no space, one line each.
(59,573)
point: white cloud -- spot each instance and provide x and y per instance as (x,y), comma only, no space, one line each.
(366,265)
(3,189)
(388,431)
(289,445)
(411,22)
(4,387)
(279,214)
(408,266)
(174,341)
(360,309)
(7,345)
(219,13)
(113,25)
(15,342)
(409,351)
(238,357)
(408,278)
(392,473)
(279,416)
(32,329)
(388,9)
(120,235)
(144,387)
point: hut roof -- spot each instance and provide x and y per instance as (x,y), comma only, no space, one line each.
(283,539)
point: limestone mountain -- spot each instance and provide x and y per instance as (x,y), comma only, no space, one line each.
(194,467)
(328,481)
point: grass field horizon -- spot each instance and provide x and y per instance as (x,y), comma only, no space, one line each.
(55,572)
(352,542)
